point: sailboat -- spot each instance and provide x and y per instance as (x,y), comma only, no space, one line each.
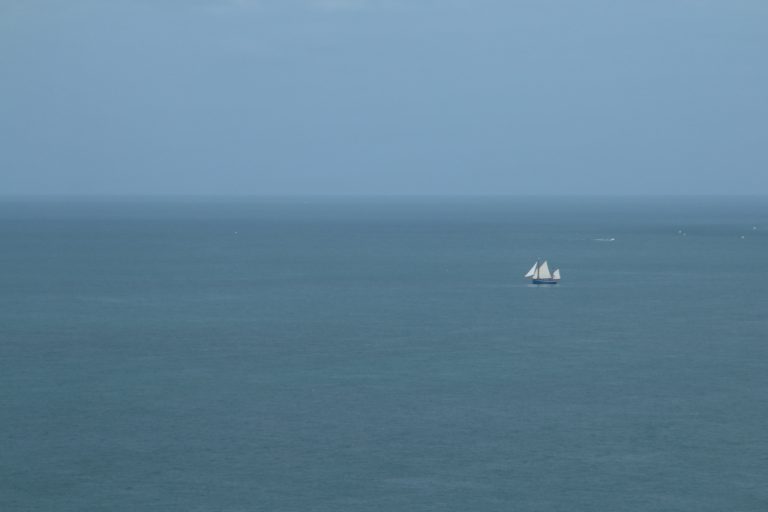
(540,274)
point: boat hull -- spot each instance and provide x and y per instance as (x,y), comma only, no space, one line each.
(545,281)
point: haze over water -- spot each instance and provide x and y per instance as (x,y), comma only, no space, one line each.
(347,97)
(383,354)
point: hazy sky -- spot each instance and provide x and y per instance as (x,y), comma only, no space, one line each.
(383,96)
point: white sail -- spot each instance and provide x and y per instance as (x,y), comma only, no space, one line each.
(533,270)
(556,274)
(543,272)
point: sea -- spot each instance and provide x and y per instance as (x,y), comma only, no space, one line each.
(383,354)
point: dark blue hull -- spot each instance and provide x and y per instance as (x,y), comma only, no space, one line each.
(544,281)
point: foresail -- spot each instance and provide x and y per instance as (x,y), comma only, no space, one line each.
(533,270)
(543,272)
(556,274)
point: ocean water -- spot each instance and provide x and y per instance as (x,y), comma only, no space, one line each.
(383,354)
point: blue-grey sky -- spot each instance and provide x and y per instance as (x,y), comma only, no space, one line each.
(383,97)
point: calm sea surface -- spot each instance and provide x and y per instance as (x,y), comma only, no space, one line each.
(383,355)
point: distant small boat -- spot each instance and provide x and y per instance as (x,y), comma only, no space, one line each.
(540,274)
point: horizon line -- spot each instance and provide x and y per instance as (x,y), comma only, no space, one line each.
(234,195)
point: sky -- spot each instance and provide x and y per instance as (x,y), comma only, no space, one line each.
(367,97)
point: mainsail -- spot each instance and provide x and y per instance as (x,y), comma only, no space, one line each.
(533,270)
(543,272)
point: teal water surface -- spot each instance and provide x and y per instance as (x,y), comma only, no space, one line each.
(383,354)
